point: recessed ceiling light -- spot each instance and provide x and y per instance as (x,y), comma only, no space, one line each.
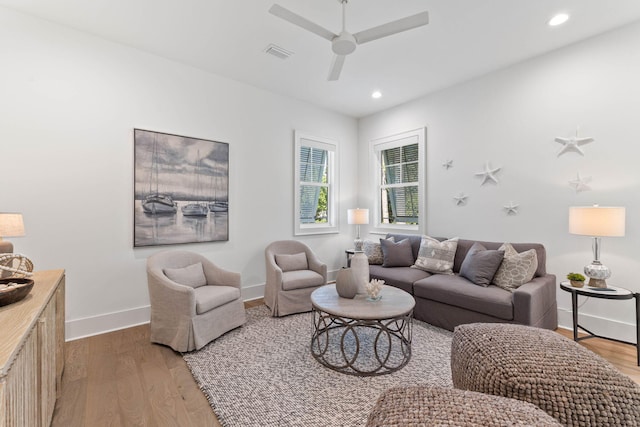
(559,19)
(376,94)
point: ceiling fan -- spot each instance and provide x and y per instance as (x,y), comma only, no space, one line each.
(345,43)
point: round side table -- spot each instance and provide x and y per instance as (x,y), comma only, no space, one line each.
(612,293)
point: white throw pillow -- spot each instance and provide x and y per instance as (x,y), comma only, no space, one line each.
(435,256)
(516,268)
(192,275)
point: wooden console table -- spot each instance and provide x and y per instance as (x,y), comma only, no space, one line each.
(32,353)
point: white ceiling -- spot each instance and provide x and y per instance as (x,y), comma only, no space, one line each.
(464,39)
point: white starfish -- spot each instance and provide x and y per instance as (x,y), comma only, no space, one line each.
(580,183)
(448,164)
(461,199)
(488,174)
(572,144)
(511,208)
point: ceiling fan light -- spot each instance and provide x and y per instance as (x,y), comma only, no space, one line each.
(558,19)
(376,94)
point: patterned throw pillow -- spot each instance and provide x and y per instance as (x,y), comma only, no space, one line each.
(373,251)
(516,268)
(435,256)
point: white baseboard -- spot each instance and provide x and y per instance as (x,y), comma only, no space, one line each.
(103,323)
(599,325)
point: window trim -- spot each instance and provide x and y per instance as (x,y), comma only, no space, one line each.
(333,224)
(393,141)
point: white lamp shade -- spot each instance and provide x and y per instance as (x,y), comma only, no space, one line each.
(596,221)
(11,224)
(358,216)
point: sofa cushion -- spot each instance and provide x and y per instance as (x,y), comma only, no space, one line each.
(210,297)
(400,277)
(481,264)
(516,268)
(458,291)
(436,256)
(191,275)
(292,262)
(465,245)
(396,254)
(299,279)
(373,250)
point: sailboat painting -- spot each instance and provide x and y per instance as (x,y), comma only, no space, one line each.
(181,189)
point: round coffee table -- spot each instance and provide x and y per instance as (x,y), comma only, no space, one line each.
(362,337)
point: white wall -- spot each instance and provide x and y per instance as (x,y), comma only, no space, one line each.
(510,118)
(68,105)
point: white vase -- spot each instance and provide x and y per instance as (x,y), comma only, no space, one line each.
(360,268)
(346,285)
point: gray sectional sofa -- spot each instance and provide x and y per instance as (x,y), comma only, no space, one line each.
(447,301)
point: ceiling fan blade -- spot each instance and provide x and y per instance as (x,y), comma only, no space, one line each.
(298,20)
(394,27)
(336,67)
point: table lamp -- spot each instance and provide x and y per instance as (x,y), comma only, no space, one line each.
(597,221)
(358,217)
(11,225)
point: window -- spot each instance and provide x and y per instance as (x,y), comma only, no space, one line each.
(315,185)
(399,169)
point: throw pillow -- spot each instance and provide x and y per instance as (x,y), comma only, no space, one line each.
(292,262)
(516,268)
(480,264)
(396,254)
(191,275)
(435,256)
(373,251)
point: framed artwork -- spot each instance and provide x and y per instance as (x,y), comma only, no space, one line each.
(181,189)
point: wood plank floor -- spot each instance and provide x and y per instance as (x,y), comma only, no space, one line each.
(121,379)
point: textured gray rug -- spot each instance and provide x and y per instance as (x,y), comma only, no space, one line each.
(263,374)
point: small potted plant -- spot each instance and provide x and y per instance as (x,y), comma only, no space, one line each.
(576,279)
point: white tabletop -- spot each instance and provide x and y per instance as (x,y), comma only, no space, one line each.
(394,303)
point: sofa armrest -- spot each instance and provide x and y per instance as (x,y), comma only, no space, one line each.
(532,301)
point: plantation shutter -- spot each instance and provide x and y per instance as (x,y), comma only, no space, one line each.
(400,182)
(313,170)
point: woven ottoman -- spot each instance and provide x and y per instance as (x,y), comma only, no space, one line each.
(572,384)
(438,406)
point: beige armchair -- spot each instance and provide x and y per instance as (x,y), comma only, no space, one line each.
(293,272)
(192,300)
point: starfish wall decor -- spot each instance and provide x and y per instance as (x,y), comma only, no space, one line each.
(511,208)
(580,184)
(489,174)
(572,144)
(461,199)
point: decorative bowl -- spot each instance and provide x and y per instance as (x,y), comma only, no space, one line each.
(11,294)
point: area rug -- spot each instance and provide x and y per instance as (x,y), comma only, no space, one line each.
(263,374)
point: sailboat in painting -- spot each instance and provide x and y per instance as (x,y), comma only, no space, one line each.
(154,202)
(217,205)
(196,209)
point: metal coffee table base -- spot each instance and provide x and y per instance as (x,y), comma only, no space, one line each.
(361,347)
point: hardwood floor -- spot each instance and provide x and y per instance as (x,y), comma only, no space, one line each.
(122,379)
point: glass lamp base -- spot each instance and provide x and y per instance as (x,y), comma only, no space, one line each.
(597,274)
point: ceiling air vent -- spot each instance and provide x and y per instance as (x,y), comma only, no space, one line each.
(278,51)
